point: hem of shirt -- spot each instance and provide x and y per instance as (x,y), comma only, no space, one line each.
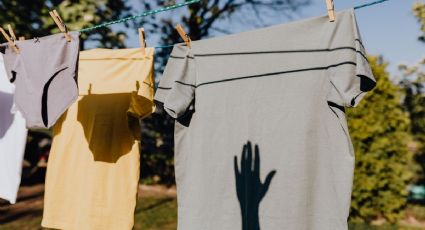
(58,224)
(46,223)
(9,199)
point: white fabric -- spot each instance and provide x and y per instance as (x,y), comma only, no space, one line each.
(12,140)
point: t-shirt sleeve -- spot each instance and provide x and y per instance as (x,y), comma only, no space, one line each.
(176,90)
(141,102)
(351,75)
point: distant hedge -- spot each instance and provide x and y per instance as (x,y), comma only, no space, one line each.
(379,131)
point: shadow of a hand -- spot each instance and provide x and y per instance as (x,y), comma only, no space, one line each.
(250,189)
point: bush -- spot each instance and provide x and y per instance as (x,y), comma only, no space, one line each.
(379,130)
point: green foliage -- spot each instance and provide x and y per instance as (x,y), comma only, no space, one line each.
(213,17)
(31,18)
(419,12)
(413,84)
(379,131)
(157,161)
(200,21)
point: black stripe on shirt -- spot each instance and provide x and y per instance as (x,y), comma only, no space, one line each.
(335,105)
(272,52)
(176,57)
(262,75)
(363,55)
(186,84)
(179,82)
(164,88)
(277,73)
(361,43)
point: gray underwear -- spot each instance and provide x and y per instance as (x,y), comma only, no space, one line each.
(45,76)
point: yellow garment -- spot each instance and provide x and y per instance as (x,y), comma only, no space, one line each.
(94,164)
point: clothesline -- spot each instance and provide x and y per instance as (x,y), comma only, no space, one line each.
(147,13)
(172,7)
(369,4)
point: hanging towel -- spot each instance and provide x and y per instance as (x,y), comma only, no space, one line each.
(13,135)
(44,73)
(94,163)
(261,139)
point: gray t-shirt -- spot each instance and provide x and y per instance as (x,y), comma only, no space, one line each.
(261,139)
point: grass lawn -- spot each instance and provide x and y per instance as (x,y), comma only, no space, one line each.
(155,213)
(151,214)
(384,227)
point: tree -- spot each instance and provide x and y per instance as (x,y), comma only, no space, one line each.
(201,21)
(32,19)
(379,131)
(413,84)
(212,17)
(419,12)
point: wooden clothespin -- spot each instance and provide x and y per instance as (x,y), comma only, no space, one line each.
(142,40)
(59,22)
(331,10)
(183,35)
(10,41)
(11,32)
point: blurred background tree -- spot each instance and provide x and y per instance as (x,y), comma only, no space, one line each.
(32,19)
(413,83)
(214,16)
(419,12)
(379,130)
(201,21)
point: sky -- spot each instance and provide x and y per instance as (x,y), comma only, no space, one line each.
(388,29)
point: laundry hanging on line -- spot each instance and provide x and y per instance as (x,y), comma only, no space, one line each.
(261,126)
(178,94)
(94,164)
(13,135)
(44,73)
(172,7)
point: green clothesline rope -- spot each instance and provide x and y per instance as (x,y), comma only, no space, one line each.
(167,8)
(147,13)
(356,8)
(164,46)
(370,4)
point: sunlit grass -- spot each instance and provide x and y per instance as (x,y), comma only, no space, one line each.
(159,213)
(151,214)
